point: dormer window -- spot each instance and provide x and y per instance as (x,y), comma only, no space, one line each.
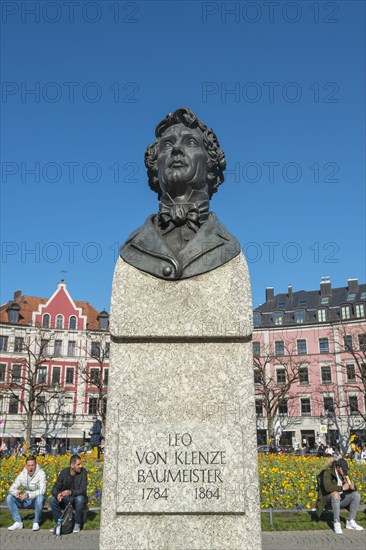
(46,321)
(103,320)
(300,316)
(345,312)
(72,323)
(278,318)
(13,313)
(257,319)
(351,296)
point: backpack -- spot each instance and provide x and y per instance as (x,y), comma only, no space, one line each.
(68,521)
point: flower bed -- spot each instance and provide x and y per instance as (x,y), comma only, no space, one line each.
(286,481)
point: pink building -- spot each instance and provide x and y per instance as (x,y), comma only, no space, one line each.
(310,360)
(66,344)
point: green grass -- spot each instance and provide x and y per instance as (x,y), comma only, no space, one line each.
(289,521)
(92,522)
(306,521)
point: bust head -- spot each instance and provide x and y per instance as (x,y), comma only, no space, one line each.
(185,156)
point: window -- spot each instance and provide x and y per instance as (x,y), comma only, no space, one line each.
(301,347)
(278,318)
(14,313)
(326,374)
(42,374)
(304,375)
(363,295)
(40,404)
(323,345)
(345,312)
(281,377)
(69,375)
(348,343)
(58,348)
(95,350)
(46,321)
(16,373)
(351,373)
(2,372)
(256,349)
(353,404)
(71,345)
(328,404)
(302,303)
(13,405)
(103,323)
(362,342)
(94,376)
(257,377)
(107,348)
(305,407)
(257,319)
(59,322)
(4,343)
(280,304)
(279,347)
(360,310)
(259,407)
(106,376)
(44,348)
(56,375)
(322,315)
(283,408)
(72,323)
(325,300)
(18,344)
(351,296)
(93,405)
(300,316)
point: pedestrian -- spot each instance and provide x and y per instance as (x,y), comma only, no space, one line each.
(71,486)
(54,448)
(96,436)
(27,491)
(42,451)
(335,488)
(363,453)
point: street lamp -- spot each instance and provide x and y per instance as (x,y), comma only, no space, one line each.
(68,420)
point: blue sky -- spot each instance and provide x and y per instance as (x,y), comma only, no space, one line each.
(282,84)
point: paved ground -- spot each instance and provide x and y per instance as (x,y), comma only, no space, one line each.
(25,539)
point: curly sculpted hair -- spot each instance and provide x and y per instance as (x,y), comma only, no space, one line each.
(216,163)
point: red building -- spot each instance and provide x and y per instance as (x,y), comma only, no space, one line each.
(53,358)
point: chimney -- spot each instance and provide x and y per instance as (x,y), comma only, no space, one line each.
(325,286)
(289,292)
(17,294)
(352,285)
(269,293)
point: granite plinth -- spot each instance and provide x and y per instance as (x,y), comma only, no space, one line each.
(181,462)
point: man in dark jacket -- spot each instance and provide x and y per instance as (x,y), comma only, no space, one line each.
(95,437)
(71,486)
(337,490)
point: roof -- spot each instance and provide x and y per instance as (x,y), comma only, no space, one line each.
(29,304)
(310,301)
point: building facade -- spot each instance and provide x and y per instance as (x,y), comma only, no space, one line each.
(53,361)
(309,352)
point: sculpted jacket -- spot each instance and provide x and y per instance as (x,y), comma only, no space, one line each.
(210,247)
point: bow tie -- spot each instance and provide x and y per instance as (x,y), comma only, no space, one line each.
(180,214)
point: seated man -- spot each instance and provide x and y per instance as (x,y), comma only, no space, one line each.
(339,492)
(27,491)
(70,486)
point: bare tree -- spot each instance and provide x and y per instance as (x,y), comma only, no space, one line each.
(275,373)
(94,372)
(352,346)
(28,380)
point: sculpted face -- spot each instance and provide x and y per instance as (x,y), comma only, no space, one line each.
(182,160)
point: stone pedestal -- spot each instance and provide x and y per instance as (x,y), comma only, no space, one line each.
(180,462)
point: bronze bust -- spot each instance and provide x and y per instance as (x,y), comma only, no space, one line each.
(185,166)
